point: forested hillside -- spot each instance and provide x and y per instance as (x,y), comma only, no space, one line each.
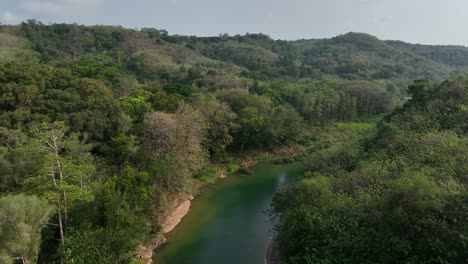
(450,55)
(102,127)
(399,196)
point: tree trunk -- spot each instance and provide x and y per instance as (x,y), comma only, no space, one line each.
(62,235)
(64,194)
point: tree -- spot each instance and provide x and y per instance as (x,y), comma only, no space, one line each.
(159,134)
(22,219)
(175,142)
(137,107)
(251,123)
(400,193)
(284,125)
(221,123)
(371,99)
(419,91)
(19,158)
(66,171)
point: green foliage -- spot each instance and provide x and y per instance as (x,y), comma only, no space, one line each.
(123,149)
(450,55)
(209,173)
(221,124)
(106,122)
(122,204)
(393,198)
(98,67)
(360,56)
(137,106)
(285,125)
(251,123)
(96,246)
(232,166)
(184,90)
(22,219)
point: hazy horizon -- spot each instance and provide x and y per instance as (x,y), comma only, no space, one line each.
(423,22)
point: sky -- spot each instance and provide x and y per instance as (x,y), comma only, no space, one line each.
(415,21)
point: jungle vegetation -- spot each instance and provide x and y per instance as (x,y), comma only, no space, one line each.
(101,126)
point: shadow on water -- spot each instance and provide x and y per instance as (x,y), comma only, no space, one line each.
(227,222)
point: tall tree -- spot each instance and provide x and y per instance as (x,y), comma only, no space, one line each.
(175,142)
(251,123)
(66,171)
(22,218)
(220,121)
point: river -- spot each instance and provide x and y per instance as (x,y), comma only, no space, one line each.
(227,222)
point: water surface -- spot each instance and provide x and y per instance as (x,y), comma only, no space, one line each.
(227,222)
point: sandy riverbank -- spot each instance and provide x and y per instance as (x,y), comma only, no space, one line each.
(145,252)
(176,216)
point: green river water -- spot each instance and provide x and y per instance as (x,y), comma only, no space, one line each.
(227,222)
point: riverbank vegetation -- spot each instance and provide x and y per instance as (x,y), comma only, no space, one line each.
(396,196)
(102,127)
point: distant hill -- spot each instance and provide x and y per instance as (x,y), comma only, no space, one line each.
(456,56)
(362,56)
(232,61)
(350,56)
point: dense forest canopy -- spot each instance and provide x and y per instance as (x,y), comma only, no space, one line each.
(399,196)
(101,127)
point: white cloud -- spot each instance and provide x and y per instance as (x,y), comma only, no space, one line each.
(58,7)
(8,17)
